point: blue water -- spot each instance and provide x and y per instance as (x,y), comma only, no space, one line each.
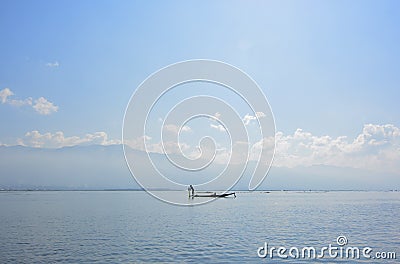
(131,226)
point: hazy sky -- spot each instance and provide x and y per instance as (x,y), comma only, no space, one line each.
(330,69)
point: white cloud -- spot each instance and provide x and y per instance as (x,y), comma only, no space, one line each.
(248,118)
(170,147)
(52,64)
(6,92)
(44,107)
(266,145)
(58,140)
(144,143)
(175,129)
(18,103)
(376,148)
(260,114)
(138,143)
(224,155)
(214,122)
(40,105)
(218,127)
(186,129)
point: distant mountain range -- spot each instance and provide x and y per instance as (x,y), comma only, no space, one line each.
(103,167)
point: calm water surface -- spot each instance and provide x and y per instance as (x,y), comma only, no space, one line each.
(124,226)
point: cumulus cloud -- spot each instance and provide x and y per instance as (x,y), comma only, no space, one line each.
(248,118)
(186,129)
(169,147)
(6,92)
(58,140)
(260,114)
(214,122)
(138,143)
(144,143)
(175,129)
(52,64)
(18,103)
(218,127)
(377,147)
(44,107)
(40,105)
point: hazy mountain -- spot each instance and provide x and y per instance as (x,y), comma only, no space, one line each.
(79,167)
(104,167)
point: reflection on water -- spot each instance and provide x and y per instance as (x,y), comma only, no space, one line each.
(124,226)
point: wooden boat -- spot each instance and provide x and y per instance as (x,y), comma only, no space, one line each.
(215,195)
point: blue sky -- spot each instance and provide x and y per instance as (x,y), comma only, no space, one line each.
(326,67)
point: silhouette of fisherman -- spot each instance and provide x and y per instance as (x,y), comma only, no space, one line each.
(191,190)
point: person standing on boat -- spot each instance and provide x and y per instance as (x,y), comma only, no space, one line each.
(191,190)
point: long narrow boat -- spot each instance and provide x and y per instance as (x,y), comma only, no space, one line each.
(215,195)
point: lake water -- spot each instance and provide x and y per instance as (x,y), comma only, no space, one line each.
(131,226)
